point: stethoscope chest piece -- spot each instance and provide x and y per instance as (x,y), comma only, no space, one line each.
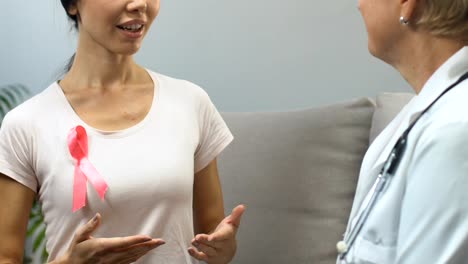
(341,247)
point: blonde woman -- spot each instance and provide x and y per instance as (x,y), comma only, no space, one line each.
(411,203)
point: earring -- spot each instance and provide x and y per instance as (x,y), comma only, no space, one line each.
(404,21)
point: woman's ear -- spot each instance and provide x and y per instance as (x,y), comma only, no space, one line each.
(73,9)
(408,9)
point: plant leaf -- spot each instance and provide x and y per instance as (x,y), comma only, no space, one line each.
(11,96)
(36,209)
(18,91)
(39,240)
(44,254)
(34,227)
(5,101)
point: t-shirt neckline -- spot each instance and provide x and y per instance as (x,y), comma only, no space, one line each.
(115,133)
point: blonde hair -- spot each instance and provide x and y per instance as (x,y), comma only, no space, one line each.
(444,18)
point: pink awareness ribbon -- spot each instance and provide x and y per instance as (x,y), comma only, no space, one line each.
(84,170)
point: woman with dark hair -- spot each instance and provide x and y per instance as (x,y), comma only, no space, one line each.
(132,150)
(411,201)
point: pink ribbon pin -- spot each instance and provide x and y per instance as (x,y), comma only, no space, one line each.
(84,170)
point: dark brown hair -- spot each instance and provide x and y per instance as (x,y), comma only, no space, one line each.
(67,4)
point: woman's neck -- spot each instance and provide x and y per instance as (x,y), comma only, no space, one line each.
(102,72)
(422,56)
(98,68)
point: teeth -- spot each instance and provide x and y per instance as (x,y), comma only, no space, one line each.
(133,27)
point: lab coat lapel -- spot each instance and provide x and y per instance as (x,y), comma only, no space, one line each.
(376,156)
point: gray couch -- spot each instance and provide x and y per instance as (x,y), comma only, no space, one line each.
(297,171)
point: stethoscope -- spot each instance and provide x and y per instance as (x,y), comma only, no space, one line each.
(387,171)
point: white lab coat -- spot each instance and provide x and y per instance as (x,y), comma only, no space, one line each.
(422,214)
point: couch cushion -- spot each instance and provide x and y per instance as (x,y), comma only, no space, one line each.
(388,105)
(296,172)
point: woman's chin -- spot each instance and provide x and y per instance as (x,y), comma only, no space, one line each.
(383,53)
(371,48)
(128,51)
(374,51)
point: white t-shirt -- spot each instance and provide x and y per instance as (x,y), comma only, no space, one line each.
(421,216)
(149,167)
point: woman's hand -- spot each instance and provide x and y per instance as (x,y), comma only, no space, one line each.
(86,249)
(220,246)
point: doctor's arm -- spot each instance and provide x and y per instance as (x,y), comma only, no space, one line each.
(434,215)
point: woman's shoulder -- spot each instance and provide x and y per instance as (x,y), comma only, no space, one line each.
(177,86)
(446,122)
(33,108)
(452,108)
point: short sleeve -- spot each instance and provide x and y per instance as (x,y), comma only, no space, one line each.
(15,154)
(215,136)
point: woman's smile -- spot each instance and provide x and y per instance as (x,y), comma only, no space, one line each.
(132,29)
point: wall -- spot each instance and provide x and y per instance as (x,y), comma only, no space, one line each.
(250,55)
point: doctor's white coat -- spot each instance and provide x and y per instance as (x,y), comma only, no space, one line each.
(422,214)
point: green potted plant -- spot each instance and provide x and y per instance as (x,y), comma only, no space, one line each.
(10,97)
